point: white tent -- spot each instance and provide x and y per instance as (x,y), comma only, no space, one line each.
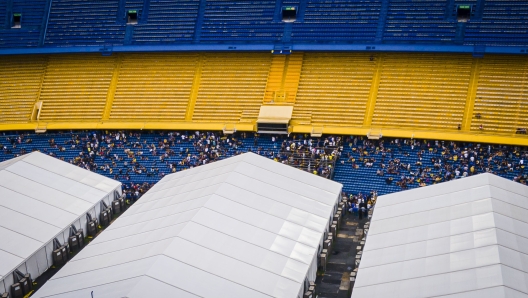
(40,198)
(462,239)
(242,227)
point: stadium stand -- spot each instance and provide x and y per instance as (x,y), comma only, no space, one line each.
(243,21)
(153,87)
(231,87)
(418,21)
(20,87)
(28,34)
(283,78)
(502,23)
(136,157)
(167,23)
(81,23)
(501,99)
(75,87)
(334,89)
(422,91)
(344,93)
(395,23)
(338,21)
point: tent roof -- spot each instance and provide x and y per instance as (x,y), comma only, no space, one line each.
(40,196)
(464,238)
(244,227)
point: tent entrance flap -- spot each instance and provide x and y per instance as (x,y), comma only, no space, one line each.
(274,119)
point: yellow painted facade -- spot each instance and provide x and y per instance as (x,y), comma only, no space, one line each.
(403,95)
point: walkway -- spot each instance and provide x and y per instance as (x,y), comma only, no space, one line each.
(334,283)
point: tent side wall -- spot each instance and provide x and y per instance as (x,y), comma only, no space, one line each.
(312,270)
(40,261)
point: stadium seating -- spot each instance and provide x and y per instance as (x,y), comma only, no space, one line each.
(75,88)
(82,22)
(334,89)
(338,21)
(31,22)
(422,91)
(247,20)
(363,179)
(167,22)
(154,87)
(20,87)
(343,91)
(283,78)
(231,87)
(164,22)
(502,23)
(501,99)
(418,22)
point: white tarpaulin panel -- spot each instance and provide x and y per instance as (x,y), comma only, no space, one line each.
(40,198)
(464,238)
(242,227)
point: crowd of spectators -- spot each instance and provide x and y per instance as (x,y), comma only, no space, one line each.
(139,159)
(317,156)
(360,204)
(412,163)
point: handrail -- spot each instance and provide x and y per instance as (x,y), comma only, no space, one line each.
(46,27)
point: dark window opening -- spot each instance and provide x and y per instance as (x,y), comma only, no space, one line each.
(132,17)
(289,13)
(463,13)
(272,128)
(17,20)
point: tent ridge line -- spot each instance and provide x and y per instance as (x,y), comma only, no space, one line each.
(53,278)
(105,178)
(263,269)
(425,198)
(170,196)
(257,227)
(278,201)
(102,254)
(286,220)
(485,198)
(214,275)
(448,253)
(156,218)
(39,220)
(248,242)
(306,184)
(490,185)
(166,205)
(318,177)
(492,211)
(1,276)
(43,202)
(474,290)
(60,176)
(113,239)
(429,275)
(328,205)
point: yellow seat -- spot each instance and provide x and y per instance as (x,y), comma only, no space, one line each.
(333,89)
(422,91)
(231,85)
(502,96)
(20,81)
(75,87)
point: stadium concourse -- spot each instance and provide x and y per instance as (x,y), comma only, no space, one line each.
(139,159)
